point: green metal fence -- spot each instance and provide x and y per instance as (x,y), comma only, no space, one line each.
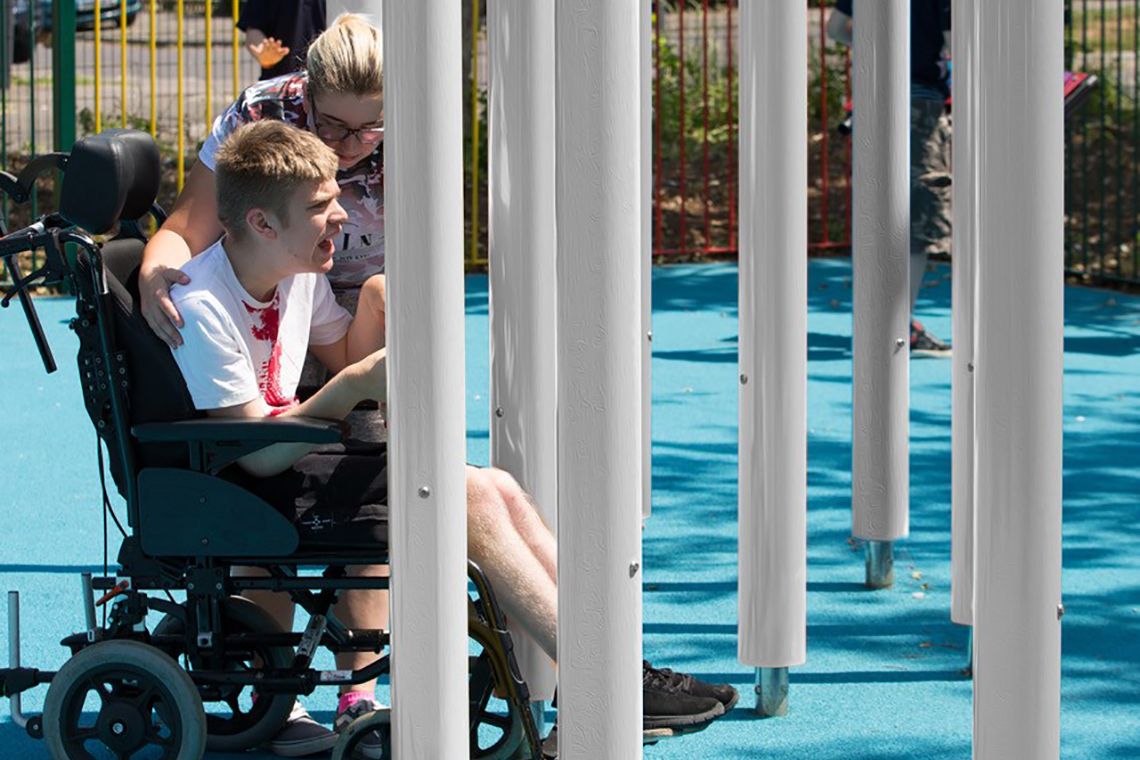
(166,66)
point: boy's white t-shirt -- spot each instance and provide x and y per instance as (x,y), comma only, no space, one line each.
(236,348)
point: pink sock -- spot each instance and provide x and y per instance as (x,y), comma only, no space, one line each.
(350,698)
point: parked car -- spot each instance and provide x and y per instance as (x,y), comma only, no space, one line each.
(109,11)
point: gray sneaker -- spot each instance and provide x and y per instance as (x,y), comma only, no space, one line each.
(301,735)
(375,745)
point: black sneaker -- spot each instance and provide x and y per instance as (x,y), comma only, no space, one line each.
(376,744)
(667,706)
(923,343)
(689,684)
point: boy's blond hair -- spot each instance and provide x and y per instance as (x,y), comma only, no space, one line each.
(261,165)
(346,59)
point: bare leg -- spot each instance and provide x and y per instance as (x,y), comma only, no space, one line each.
(527,521)
(522,580)
(362,609)
(366,335)
(276,603)
(356,609)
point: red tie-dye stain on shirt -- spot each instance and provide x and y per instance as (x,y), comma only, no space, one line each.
(265,324)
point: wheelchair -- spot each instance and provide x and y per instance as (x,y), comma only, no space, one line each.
(155,663)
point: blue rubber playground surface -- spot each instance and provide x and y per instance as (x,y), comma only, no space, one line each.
(883,675)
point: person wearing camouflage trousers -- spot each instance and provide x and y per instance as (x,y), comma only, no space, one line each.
(930,129)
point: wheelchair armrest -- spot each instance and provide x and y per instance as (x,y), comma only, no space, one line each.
(267,430)
(218,442)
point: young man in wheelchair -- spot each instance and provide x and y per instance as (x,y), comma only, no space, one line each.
(257,301)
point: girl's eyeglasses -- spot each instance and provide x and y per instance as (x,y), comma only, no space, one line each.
(337,133)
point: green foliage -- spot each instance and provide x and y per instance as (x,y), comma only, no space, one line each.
(834,76)
(87,122)
(674,103)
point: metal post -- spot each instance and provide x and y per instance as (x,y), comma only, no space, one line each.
(14,708)
(964,292)
(773,346)
(428,532)
(881,260)
(522,241)
(6,41)
(63,76)
(599,378)
(1017,594)
(880,561)
(645,50)
(123,68)
(772,692)
(969,668)
(88,605)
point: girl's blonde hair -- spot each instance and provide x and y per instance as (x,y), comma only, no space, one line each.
(347,59)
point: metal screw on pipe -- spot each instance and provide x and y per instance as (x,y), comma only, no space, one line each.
(424,492)
(1060,611)
(633,568)
(744,379)
(899,344)
(499,411)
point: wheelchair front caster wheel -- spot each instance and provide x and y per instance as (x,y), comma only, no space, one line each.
(241,722)
(350,738)
(141,701)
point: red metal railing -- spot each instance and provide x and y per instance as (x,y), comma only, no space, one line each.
(697,217)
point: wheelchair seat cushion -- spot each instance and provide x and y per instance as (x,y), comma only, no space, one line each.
(337,496)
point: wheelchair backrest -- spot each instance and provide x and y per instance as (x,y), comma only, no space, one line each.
(128,374)
(111,176)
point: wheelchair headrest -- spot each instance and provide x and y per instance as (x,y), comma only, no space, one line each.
(110,176)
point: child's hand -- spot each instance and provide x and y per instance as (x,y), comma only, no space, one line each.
(269,52)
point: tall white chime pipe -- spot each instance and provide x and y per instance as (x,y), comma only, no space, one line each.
(964,294)
(1017,589)
(598,169)
(881,260)
(773,346)
(428,531)
(524,416)
(646,52)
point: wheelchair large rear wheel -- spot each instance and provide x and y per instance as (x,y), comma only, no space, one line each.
(243,723)
(128,697)
(496,727)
